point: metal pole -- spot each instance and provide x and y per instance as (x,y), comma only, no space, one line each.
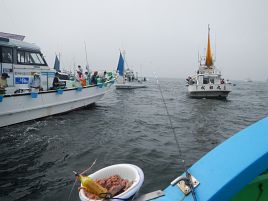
(87,67)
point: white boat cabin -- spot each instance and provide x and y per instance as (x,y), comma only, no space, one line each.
(21,60)
(206,77)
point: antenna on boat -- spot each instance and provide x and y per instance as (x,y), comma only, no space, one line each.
(124,56)
(215,47)
(59,56)
(74,65)
(141,70)
(199,59)
(87,66)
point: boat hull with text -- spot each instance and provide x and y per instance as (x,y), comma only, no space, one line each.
(219,91)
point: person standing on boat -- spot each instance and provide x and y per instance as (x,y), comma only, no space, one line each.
(87,77)
(104,76)
(56,81)
(94,78)
(80,69)
(3,83)
(77,82)
(35,83)
(81,78)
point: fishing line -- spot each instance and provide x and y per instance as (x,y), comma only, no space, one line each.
(188,176)
(72,190)
(171,125)
(89,167)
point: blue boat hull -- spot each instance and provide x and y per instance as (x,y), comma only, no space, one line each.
(225,170)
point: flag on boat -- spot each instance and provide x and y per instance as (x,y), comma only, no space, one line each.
(57,64)
(209,61)
(120,66)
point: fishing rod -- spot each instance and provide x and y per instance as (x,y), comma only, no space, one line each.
(88,169)
(187,179)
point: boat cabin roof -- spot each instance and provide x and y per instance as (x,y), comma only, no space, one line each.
(19,44)
(209,75)
(206,76)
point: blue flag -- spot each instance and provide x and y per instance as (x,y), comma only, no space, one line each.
(57,64)
(120,66)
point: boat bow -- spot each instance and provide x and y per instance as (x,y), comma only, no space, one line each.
(225,170)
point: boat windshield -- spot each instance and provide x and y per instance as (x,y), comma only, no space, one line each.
(25,57)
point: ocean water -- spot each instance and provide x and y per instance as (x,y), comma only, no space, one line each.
(127,126)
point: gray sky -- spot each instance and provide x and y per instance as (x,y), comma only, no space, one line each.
(162,36)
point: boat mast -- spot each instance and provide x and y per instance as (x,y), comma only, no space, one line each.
(59,57)
(59,61)
(215,48)
(87,66)
(198,59)
(124,57)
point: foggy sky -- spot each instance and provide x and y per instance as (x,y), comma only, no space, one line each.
(162,36)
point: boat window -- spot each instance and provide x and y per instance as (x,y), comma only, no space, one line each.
(28,58)
(6,55)
(211,80)
(205,80)
(40,58)
(34,58)
(21,57)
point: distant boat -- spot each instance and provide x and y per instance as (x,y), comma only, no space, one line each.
(235,170)
(127,79)
(248,80)
(208,81)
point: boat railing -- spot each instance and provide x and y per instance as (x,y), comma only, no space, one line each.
(60,90)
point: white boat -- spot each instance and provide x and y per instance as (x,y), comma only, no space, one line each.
(208,81)
(127,79)
(248,80)
(21,60)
